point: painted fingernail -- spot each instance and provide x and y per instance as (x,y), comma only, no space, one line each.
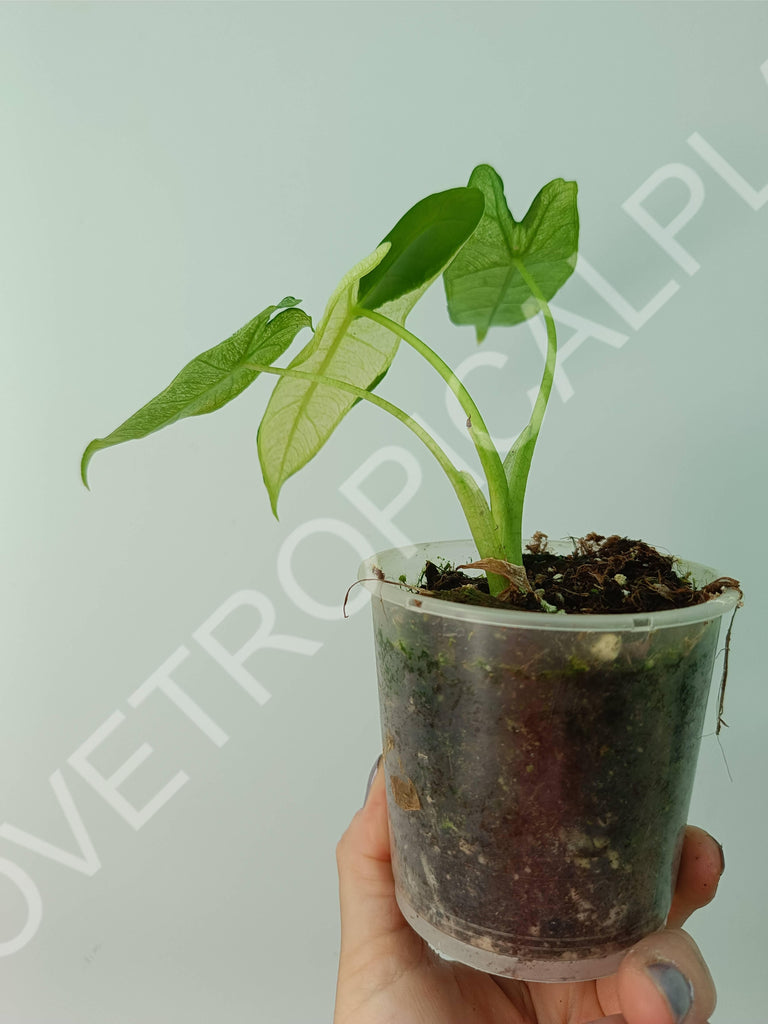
(675,988)
(615,1018)
(371,777)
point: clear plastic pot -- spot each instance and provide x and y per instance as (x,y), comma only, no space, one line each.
(539,769)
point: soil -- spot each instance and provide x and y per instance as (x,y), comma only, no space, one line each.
(603,575)
(539,782)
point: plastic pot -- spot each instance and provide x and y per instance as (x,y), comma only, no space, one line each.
(539,769)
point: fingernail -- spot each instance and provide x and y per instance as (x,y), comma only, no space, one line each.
(616,1018)
(675,988)
(371,777)
(722,855)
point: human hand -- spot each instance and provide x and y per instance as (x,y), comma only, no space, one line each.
(389,975)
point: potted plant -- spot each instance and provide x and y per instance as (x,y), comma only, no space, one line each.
(541,705)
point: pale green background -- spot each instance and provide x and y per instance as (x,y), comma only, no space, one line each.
(167,171)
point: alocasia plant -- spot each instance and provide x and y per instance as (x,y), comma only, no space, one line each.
(497,272)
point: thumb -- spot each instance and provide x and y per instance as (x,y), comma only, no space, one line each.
(369,909)
(664,980)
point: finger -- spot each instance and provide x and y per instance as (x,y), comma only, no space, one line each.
(664,980)
(701,865)
(369,910)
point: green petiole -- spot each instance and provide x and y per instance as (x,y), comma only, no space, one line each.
(470,496)
(517,463)
(490,460)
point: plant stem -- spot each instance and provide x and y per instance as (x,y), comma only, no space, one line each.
(517,464)
(490,460)
(471,498)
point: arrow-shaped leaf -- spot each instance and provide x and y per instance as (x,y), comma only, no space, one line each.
(302,415)
(211,379)
(483,285)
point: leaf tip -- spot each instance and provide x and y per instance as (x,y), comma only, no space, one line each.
(87,455)
(481,169)
(273,501)
(271,483)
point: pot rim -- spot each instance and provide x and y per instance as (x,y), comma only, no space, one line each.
(413,556)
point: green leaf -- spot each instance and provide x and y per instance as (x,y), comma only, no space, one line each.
(301,414)
(212,379)
(422,243)
(483,285)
